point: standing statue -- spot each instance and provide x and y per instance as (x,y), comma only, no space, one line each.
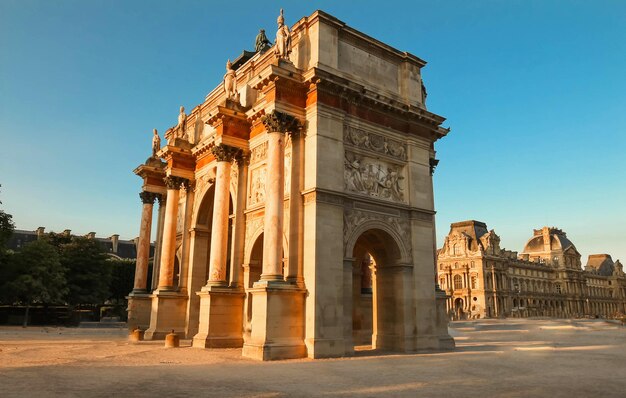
(424,93)
(230,82)
(156,143)
(182,120)
(283,38)
(261,43)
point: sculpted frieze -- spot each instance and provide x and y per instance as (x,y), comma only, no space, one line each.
(374,142)
(373,177)
(258,153)
(257,185)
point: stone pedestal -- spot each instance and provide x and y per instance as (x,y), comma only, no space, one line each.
(277,322)
(139,308)
(221,318)
(168,313)
(446,342)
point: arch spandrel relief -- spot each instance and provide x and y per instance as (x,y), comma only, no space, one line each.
(355,222)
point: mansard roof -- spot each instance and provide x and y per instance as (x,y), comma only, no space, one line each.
(472,228)
(600,263)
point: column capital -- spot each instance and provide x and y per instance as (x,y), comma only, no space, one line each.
(242,159)
(174,182)
(279,122)
(225,153)
(161,199)
(148,197)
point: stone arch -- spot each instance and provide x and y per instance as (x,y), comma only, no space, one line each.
(249,247)
(404,249)
(393,309)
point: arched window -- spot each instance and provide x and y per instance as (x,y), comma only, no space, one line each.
(558,288)
(458,282)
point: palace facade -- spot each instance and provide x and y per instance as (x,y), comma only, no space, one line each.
(482,279)
(296,213)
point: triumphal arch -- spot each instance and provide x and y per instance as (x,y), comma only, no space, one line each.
(296,211)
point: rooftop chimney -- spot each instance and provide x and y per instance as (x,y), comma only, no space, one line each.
(67,232)
(91,235)
(114,239)
(40,231)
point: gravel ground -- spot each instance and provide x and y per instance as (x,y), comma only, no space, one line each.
(494,358)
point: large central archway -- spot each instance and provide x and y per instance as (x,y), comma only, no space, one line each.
(387,301)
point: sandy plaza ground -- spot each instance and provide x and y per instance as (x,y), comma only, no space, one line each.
(494,358)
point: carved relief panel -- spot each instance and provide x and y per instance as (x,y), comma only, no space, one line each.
(258,173)
(374,165)
(373,177)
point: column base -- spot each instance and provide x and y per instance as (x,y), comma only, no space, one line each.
(221,318)
(168,313)
(277,322)
(139,310)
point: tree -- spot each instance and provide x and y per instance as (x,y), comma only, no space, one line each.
(122,279)
(88,272)
(36,276)
(6,230)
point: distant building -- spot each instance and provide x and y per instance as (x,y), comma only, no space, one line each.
(113,246)
(545,279)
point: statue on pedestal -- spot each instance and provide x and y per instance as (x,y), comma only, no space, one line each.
(156,143)
(182,119)
(230,82)
(283,38)
(262,43)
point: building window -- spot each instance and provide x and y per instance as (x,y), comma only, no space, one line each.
(458,282)
(472,264)
(558,288)
(474,282)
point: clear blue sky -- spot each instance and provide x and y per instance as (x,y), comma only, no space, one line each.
(534,91)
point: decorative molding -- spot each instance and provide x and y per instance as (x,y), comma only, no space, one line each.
(148,197)
(374,142)
(373,177)
(279,122)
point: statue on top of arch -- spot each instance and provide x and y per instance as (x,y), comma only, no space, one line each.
(283,38)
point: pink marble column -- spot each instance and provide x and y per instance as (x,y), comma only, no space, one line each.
(276,124)
(143,246)
(168,247)
(224,155)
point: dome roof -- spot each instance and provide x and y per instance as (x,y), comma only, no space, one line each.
(557,241)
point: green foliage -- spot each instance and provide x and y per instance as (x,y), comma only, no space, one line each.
(6,228)
(88,271)
(35,275)
(122,279)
